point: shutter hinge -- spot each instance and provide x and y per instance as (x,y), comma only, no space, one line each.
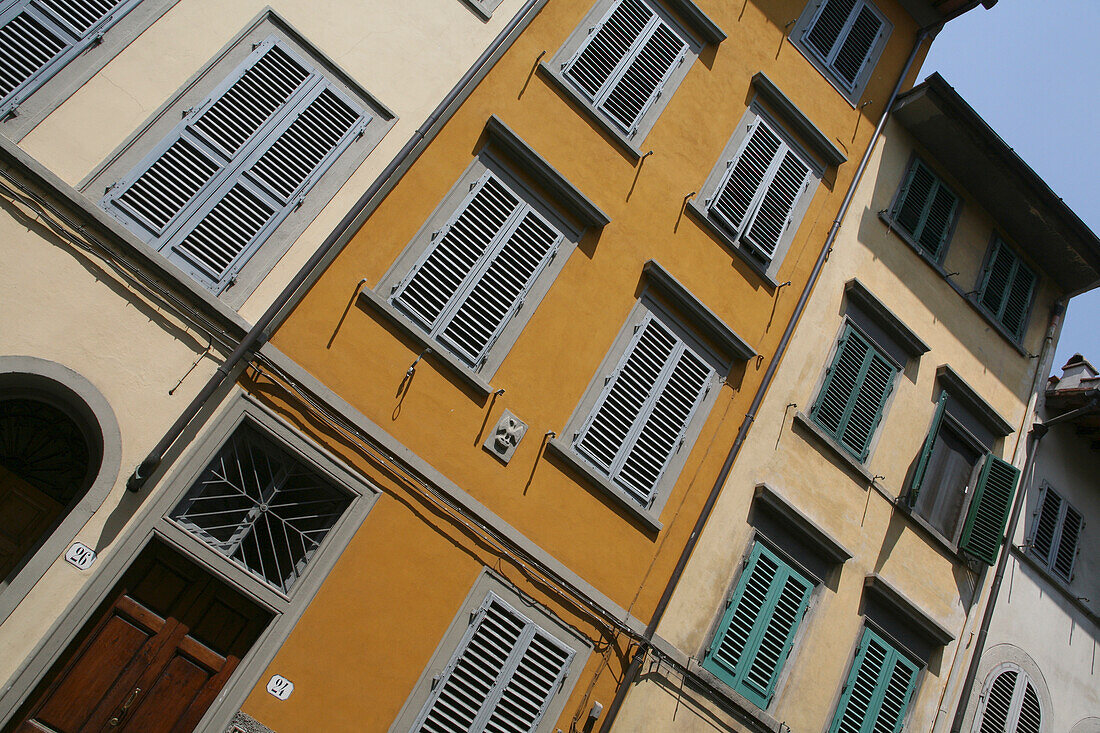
(680,445)
(232,281)
(435,234)
(186,112)
(110,188)
(361,131)
(520,304)
(97,38)
(298,204)
(12,112)
(435,681)
(607,379)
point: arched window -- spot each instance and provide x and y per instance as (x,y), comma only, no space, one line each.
(1009,703)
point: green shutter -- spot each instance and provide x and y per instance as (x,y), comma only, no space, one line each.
(926,452)
(878,690)
(1007,288)
(852,400)
(758,628)
(985,522)
(925,209)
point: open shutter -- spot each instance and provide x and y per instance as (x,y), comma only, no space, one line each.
(773,216)
(879,688)
(466,287)
(641,416)
(503,675)
(985,522)
(740,192)
(926,452)
(38,38)
(625,63)
(758,628)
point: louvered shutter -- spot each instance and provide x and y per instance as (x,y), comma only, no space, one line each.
(756,198)
(1011,705)
(468,284)
(878,691)
(853,398)
(38,38)
(220,183)
(1007,289)
(640,417)
(758,627)
(926,452)
(844,34)
(501,678)
(623,65)
(1066,555)
(925,209)
(988,514)
(1056,533)
(1046,525)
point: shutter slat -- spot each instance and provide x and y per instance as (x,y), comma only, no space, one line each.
(988,514)
(825,32)
(998,703)
(856,47)
(735,195)
(26,47)
(879,689)
(777,205)
(1067,543)
(1046,525)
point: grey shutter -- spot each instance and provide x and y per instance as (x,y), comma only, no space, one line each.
(843,35)
(988,513)
(37,39)
(468,285)
(1011,705)
(823,34)
(219,183)
(641,416)
(501,678)
(1046,525)
(1068,536)
(1030,719)
(773,216)
(624,64)
(733,202)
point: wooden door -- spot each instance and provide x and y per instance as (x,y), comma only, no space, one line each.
(155,656)
(25,515)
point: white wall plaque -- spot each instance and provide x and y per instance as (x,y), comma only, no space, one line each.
(80,556)
(280,686)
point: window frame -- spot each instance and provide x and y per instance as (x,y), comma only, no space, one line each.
(735,679)
(145,143)
(766,267)
(896,653)
(1048,563)
(852,92)
(646,305)
(486,162)
(487,584)
(996,244)
(900,195)
(569,50)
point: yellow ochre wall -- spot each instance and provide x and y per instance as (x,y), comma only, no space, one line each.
(363,359)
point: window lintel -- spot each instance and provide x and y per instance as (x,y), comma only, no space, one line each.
(805,527)
(858,294)
(875,585)
(957,387)
(797,120)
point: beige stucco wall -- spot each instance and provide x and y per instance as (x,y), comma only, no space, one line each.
(408,55)
(788,457)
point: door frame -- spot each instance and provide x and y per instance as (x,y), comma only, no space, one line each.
(236,408)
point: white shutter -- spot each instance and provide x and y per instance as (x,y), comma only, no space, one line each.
(640,418)
(1011,705)
(501,678)
(472,280)
(217,186)
(37,39)
(756,199)
(623,65)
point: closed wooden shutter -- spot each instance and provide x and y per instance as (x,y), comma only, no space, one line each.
(853,397)
(925,209)
(878,691)
(844,34)
(988,514)
(501,678)
(758,627)
(1007,289)
(640,418)
(38,38)
(219,184)
(468,284)
(623,65)
(926,451)
(756,199)
(1010,705)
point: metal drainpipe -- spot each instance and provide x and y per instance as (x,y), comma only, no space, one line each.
(651,629)
(256,337)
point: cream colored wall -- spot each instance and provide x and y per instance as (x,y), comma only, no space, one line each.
(407,54)
(64,306)
(820,485)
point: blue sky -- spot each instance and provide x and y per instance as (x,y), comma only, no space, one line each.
(1030,68)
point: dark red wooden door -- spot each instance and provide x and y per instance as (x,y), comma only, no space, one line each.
(155,656)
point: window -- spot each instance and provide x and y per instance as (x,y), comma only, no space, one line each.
(479,267)
(852,399)
(624,61)
(504,674)
(878,690)
(1009,703)
(1006,289)
(642,413)
(759,191)
(757,630)
(844,38)
(1056,533)
(925,210)
(38,37)
(260,129)
(261,507)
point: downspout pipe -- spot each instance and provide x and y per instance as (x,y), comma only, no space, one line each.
(662,605)
(257,335)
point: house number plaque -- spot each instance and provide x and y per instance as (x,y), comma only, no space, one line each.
(80,556)
(280,686)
